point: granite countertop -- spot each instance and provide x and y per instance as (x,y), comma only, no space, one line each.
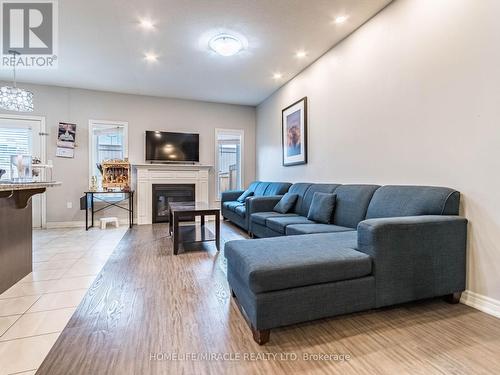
(9,185)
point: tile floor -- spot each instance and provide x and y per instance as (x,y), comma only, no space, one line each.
(35,310)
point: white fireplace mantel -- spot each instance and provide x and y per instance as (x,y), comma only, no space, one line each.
(146,175)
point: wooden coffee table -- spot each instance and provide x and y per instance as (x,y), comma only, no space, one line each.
(193,232)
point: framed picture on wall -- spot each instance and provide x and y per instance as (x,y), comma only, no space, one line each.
(294,133)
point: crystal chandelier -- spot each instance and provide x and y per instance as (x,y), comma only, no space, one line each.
(14,98)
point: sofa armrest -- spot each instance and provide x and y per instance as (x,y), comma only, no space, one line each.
(415,257)
(231,195)
(262,204)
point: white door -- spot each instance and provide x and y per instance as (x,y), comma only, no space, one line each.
(22,136)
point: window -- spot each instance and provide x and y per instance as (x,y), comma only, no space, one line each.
(13,141)
(108,140)
(228,158)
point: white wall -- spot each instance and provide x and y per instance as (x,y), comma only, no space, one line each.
(142,113)
(412,97)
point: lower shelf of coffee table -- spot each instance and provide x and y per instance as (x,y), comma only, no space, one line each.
(195,233)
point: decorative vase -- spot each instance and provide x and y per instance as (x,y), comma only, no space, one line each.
(20,168)
(93,183)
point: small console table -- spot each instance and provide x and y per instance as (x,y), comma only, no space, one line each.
(91,196)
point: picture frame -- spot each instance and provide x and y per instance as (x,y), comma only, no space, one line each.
(294,133)
(66,138)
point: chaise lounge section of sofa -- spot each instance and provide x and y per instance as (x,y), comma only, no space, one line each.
(401,243)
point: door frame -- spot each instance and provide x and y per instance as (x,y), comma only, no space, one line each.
(241,134)
(43,155)
(95,123)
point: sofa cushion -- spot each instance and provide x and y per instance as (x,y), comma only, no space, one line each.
(260,189)
(241,210)
(286,203)
(296,229)
(290,262)
(261,217)
(253,185)
(303,210)
(300,189)
(352,203)
(231,206)
(321,208)
(245,195)
(277,188)
(394,201)
(279,224)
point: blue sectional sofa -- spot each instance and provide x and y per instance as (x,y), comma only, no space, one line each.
(239,212)
(385,245)
(350,208)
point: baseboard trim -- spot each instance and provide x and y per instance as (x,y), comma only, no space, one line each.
(77,224)
(64,224)
(482,303)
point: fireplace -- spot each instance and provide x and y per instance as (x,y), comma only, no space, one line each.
(164,193)
(144,176)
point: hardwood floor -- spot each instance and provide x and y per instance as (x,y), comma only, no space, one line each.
(147,306)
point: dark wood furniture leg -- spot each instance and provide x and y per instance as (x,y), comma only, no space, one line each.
(92,207)
(170,220)
(260,336)
(131,209)
(453,298)
(176,233)
(202,220)
(86,211)
(217,231)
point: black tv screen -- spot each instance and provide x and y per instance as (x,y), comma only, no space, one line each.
(172,147)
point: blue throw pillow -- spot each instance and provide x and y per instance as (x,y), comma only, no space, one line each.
(244,196)
(286,203)
(322,206)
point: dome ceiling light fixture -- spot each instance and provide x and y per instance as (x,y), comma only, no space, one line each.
(147,24)
(13,98)
(341,19)
(225,45)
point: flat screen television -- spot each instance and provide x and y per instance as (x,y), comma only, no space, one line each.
(172,147)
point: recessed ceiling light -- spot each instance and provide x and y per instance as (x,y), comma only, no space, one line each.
(225,45)
(277,76)
(146,24)
(340,19)
(301,54)
(151,57)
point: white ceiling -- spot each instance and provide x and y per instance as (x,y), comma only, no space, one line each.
(102,47)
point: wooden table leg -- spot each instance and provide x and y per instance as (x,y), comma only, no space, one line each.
(92,208)
(131,209)
(86,211)
(170,220)
(175,237)
(202,220)
(217,231)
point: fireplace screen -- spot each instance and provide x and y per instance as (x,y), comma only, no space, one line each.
(162,194)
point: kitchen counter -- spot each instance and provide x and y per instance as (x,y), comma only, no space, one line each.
(10,186)
(16,251)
